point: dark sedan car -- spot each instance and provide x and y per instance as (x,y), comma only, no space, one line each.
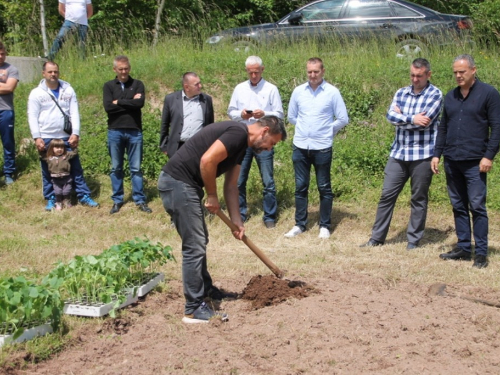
(411,26)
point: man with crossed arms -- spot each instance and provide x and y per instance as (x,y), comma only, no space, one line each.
(414,112)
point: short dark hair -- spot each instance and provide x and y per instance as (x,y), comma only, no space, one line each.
(466,57)
(275,125)
(421,63)
(315,60)
(2,47)
(49,62)
(186,75)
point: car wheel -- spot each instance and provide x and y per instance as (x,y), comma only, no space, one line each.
(410,49)
(243,46)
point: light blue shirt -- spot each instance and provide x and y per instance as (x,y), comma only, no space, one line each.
(193,116)
(317,115)
(264,96)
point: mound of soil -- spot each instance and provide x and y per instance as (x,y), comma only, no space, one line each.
(268,290)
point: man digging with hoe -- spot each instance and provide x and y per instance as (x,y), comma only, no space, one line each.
(215,150)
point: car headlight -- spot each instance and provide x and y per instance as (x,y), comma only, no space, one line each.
(215,39)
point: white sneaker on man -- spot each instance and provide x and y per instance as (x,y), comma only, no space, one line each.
(324,233)
(295,231)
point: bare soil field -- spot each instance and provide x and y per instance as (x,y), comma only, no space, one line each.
(349,310)
(350,324)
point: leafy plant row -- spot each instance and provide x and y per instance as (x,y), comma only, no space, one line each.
(90,279)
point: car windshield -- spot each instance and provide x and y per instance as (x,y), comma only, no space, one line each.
(403,11)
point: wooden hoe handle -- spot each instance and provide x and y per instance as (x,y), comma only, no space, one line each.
(263,257)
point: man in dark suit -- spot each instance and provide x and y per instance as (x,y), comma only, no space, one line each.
(185,112)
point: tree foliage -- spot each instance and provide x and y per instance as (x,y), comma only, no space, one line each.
(121,21)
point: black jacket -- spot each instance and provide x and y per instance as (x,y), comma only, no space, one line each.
(172,120)
(126,114)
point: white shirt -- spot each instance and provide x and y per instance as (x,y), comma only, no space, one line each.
(76,11)
(264,96)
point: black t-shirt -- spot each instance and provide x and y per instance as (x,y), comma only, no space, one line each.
(185,164)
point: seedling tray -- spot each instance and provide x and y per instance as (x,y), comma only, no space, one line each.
(149,286)
(28,334)
(96,310)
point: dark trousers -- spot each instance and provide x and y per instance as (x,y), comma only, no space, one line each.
(265,163)
(9,145)
(183,204)
(62,187)
(467,191)
(397,173)
(321,160)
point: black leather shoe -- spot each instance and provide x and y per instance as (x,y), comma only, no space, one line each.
(480,261)
(144,208)
(412,246)
(456,254)
(116,207)
(270,224)
(372,243)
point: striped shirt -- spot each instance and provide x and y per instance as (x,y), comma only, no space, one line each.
(414,142)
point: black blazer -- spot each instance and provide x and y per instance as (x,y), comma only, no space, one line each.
(172,120)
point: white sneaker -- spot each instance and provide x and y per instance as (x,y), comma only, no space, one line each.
(324,233)
(295,231)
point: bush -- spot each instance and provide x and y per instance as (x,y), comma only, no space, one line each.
(486,17)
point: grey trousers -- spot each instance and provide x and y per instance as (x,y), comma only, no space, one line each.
(183,204)
(397,172)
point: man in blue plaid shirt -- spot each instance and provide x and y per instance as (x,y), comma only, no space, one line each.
(414,112)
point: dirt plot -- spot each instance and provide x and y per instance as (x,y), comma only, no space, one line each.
(356,324)
(268,290)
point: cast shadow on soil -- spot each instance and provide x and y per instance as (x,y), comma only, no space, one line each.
(337,217)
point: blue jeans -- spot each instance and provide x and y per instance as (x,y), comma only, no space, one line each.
(79,183)
(7,119)
(66,27)
(467,191)
(302,162)
(119,141)
(183,204)
(265,163)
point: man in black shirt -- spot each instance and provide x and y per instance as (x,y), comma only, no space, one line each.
(215,150)
(468,137)
(123,98)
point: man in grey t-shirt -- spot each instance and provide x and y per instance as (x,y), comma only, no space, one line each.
(9,76)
